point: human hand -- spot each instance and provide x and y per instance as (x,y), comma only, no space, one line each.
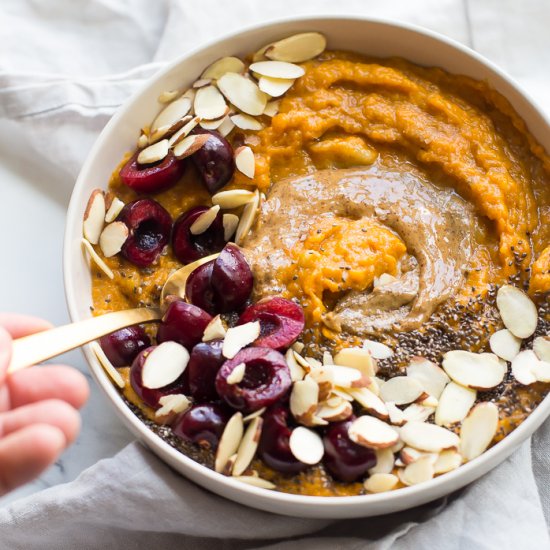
(38,408)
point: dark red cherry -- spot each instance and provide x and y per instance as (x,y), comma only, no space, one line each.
(231,279)
(198,289)
(281,322)
(203,425)
(152,178)
(188,247)
(204,364)
(149,226)
(344,459)
(214,161)
(274,448)
(122,346)
(266,379)
(148,396)
(183,323)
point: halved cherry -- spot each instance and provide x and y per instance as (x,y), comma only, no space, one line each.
(188,247)
(266,379)
(204,364)
(281,321)
(149,226)
(203,425)
(152,178)
(121,347)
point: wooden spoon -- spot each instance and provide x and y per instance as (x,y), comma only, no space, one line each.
(35,348)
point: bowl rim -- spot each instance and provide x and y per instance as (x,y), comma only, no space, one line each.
(439,485)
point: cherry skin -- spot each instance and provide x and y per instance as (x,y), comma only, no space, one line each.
(204,364)
(198,289)
(121,347)
(203,425)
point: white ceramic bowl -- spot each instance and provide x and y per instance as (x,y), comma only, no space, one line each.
(373,37)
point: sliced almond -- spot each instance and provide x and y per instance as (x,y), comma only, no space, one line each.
(248,217)
(342,411)
(518,312)
(230,223)
(302,361)
(272,108)
(541,347)
(143,141)
(201,83)
(384,462)
(428,437)
(184,131)
(227,200)
(248,446)
(189,145)
(313,363)
(431,377)
(429,401)
(372,432)
(347,377)
(112,238)
(342,394)
(522,367)
(171,114)
(447,460)
(223,66)
(171,406)
(504,344)
(212,124)
(153,153)
(397,417)
(97,260)
(108,367)
(256,482)
(454,404)
(94,216)
(380,483)
(296,371)
(409,455)
(297,48)
(356,358)
(419,471)
(237,374)
(244,161)
(401,390)
(114,210)
(325,380)
(243,93)
(275,87)
(372,403)
(254,414)
(165,132)
(277,69)
(229,441)
(474,370)
(214,330)
(209,103)
(204,221)
(246,122)
(164,365)
(377,349)
(298,347)
(478,430)
(226,127)
(541,370)
(238,337)
(417,412)
(168,96)
(384,279)
(304,398)
(327,358)
(306,445)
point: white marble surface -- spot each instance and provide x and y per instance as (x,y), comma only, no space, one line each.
(513,34)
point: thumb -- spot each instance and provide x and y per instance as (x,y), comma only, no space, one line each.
(5,352)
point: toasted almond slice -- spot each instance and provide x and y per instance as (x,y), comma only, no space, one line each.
(541,370)
(377,349)
(306,445)
(347,377)
(248,446)
(222,66)
(409,455)
(237,374)
(541,347)
(230,223)
(454,404)
(204,221)
(209,103)
(246,122)
(226,127)
(94,216)
(333,401)
(431,377)
(384,279)
(171,406)
(417,412)
(108,367)
(254,414)
(256,482)
(397,417)
(184,131)
(324,377)
(447,460)
(342,411)
(304,398)
(522,367)
(233,198)
(164,365)
(277,69)
(165,132)
(202,83)
(518,312)
(212,124)
(275,87)
(244,161)
(356,358)
(478,430)
(153,153)
(243,93)
(112,238)
(313,363)
(298,347)
(401,390)
(272,108)
(168,96)
(143,141)
(342,394)
(229,441)
(297,48)
(372,403)
(296,371)
(380,483)
(214,330)
(327,358)
(504,344)
(428,437)
(238,337)
(474,370)
(429,401)
(384,462)
(171,114)
(419,471)
(228,468)
(372,432)
(189,145)
(302,361)
(114,210)
(248,217)
(97,260)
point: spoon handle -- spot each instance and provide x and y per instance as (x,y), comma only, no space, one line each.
(35,348)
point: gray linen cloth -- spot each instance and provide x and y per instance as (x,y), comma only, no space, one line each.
(54,99)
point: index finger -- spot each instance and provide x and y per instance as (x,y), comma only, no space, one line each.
(21,325)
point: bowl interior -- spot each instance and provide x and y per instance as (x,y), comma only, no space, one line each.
(372,37)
